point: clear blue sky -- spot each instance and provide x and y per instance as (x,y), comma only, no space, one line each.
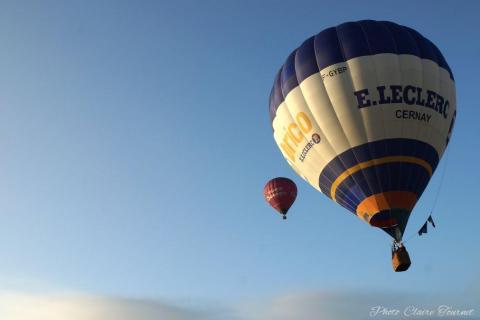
(135,143)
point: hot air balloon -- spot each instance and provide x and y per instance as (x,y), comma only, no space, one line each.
(280,193)
(363,112)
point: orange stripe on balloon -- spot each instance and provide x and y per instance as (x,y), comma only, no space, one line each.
(386,201)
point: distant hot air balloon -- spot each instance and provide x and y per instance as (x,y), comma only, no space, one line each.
(280,193)
(364,111)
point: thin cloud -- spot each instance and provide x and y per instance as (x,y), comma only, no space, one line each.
(341,305)
(361,305)
(15,306)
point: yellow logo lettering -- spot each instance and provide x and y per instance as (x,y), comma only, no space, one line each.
(297,139)
(295,134)
(303,122)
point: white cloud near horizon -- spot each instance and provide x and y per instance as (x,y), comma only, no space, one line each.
(347,305)
(294,306)
(24,306)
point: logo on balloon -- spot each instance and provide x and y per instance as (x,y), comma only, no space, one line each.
(295,134)
(315,140)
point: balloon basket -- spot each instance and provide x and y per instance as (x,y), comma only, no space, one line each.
(400,259)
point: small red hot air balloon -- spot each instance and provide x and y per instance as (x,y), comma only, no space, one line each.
(280,193)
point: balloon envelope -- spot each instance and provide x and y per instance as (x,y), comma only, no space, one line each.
(280,193)
(364,111)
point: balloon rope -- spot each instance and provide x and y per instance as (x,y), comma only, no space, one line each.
(439,189)
(441,180)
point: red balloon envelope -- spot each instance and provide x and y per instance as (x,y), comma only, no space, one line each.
(280,193)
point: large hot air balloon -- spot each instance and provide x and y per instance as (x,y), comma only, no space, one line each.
(363,112)
(280,193)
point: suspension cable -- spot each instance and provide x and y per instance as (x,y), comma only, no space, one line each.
(439,189)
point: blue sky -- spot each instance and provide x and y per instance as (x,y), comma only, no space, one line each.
(136,142)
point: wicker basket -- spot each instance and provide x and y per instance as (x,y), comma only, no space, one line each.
(400,259)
